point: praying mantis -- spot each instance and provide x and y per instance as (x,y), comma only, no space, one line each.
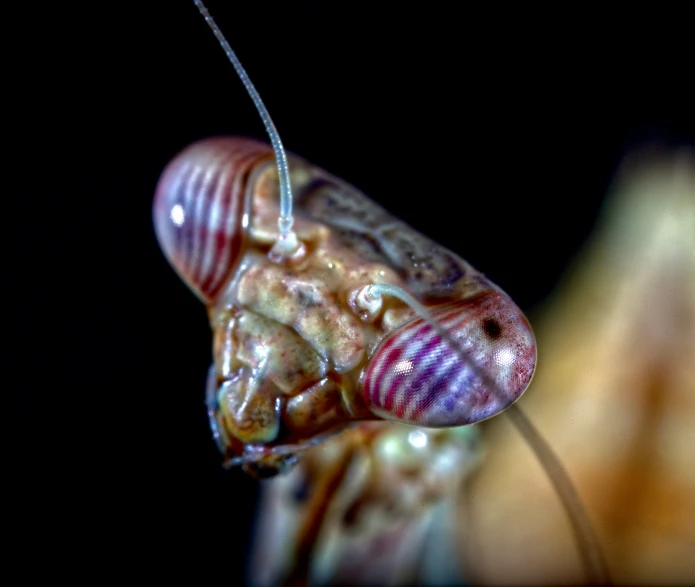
(330,316)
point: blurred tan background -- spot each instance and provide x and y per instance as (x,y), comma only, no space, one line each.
(614,393)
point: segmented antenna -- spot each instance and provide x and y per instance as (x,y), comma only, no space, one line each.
(287,243)
(585,538)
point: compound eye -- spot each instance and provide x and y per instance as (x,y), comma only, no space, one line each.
(417,378)
(199,207)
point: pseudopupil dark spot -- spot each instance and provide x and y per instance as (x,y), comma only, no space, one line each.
(492,328)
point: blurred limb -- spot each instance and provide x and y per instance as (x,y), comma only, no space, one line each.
(374,505)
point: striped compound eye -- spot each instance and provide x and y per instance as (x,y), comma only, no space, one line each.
(415,377)
(199,207)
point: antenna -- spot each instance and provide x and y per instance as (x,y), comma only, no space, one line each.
(587,543)
(286,244)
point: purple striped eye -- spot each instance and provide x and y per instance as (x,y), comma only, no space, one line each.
(199,207)
(416,378)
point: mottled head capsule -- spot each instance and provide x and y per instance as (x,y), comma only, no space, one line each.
(415,377)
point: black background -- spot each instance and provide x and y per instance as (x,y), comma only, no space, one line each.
(494,130)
